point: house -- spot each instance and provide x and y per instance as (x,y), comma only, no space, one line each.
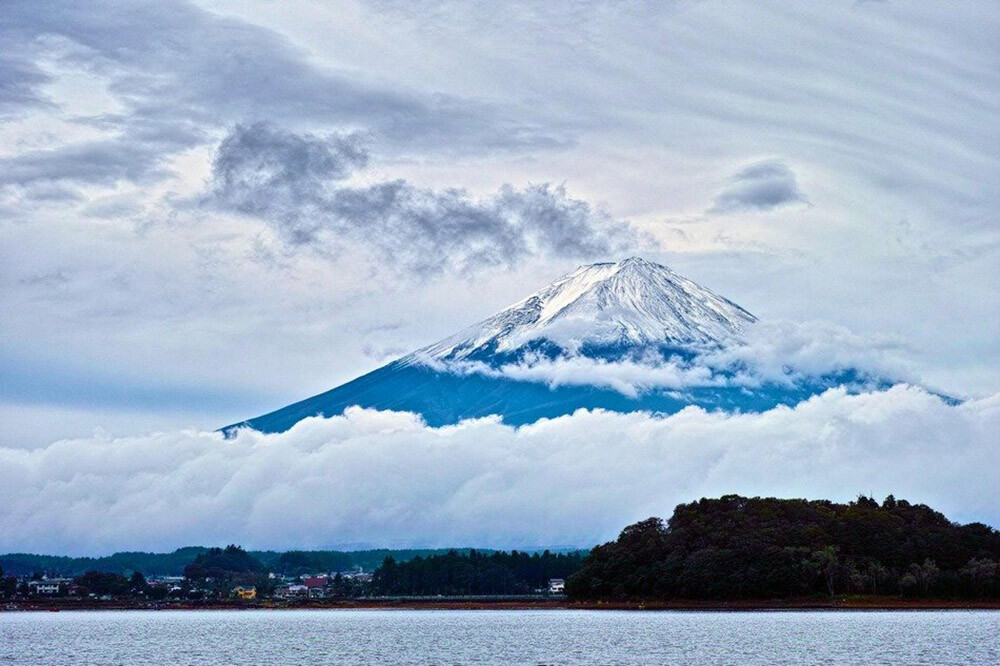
(291,592)
(165,580)
(557,586)
(315,586)
(48,586)
(245,593)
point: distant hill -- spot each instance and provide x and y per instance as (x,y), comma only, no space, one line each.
(173,564)
(151,564)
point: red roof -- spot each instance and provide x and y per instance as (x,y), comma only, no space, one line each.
(314,582)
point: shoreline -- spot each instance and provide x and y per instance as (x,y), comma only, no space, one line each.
(842,604)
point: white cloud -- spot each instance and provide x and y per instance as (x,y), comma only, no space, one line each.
(628,377)
(386,478)
(778,352)
(783,350)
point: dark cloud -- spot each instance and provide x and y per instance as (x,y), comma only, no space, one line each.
(136,149)
(100,162)
(114,206)
(259,168)
(55,278)
(50,192)
(296,182)
(183,73)
(761,186)
(20,81)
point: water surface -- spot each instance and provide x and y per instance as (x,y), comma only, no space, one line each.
(124,638)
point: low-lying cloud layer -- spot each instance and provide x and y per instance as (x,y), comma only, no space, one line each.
(371,477)
(295,182)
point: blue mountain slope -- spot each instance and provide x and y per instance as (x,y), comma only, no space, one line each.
(443,398)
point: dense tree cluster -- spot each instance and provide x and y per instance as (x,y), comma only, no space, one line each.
(298,562)
(222,563)
(217,570)
(746,548)
(8,584)
(473,572)
(102,583)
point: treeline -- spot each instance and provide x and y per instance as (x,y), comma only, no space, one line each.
(159,564)
(297,562)
(91,582)
(765,548)
(474,572)
(291,563)
(215,572)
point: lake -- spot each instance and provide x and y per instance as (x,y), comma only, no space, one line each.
(865,638)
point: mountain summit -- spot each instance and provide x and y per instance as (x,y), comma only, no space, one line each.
(567,347)
(632,303)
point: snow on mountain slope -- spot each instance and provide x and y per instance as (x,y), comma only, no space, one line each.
(630,303)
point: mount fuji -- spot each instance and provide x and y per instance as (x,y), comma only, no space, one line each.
(567,346)
(615,307)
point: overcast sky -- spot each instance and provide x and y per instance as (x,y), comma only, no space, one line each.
(210,209)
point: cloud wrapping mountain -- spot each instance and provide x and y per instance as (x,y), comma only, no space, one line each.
(385,478)
(784,353)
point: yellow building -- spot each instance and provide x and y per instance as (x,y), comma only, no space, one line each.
(245,593)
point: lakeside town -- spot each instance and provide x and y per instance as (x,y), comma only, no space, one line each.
(234,577)
(99,587)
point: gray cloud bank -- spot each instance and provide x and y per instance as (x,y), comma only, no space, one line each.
(180,73)
(386,478)
(296,182)
(20,80)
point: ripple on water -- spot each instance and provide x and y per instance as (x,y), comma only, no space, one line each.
(934,638)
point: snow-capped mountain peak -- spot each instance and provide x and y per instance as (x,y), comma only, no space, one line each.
(633,302)
(580,343)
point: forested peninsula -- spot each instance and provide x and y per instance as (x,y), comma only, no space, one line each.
(740,548)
